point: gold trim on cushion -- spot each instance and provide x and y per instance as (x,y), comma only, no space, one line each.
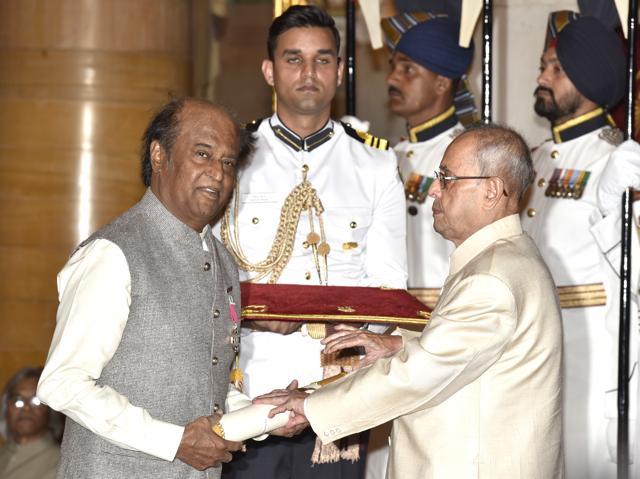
(349,318)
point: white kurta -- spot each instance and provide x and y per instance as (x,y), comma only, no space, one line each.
(364,222)
(564,229)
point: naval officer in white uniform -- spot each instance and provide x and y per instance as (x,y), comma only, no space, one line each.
(318,204)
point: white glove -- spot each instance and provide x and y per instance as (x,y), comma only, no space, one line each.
(622,170)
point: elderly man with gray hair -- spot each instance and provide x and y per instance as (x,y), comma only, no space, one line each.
(476,394)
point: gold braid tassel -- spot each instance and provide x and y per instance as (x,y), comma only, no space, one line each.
(302,198)
(235,376)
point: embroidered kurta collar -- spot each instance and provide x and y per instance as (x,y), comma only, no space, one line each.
(483,238)
(292,140)
(581,125)
(433,127)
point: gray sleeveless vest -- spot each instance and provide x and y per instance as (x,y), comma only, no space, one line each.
(175,354)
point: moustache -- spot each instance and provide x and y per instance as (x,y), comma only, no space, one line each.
(544,88)
(393,89)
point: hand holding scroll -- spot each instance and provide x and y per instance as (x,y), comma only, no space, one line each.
(201,448)
(290,399)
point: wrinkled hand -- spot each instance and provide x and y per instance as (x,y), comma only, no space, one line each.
(376,346)
(290,399)
(280,327)
(201,448)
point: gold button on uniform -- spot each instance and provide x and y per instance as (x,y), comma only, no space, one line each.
(305,168)
(255,221)
(214,360)
(541,182)
(409,153)
(216,313)
(207,266)
(307,276)
(531,212)
(353,225)
(305,244)
(216,407)
(555,154)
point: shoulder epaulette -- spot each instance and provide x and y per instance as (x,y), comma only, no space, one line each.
(366,138)
(612,135)
(253,126)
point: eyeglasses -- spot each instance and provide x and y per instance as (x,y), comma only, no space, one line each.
(444,179)
(21,401)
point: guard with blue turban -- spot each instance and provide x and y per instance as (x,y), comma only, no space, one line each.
(426,87)
(581,78)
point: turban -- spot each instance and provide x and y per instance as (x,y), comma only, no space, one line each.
(433,44)
(593,58)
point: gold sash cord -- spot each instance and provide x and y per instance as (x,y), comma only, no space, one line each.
(302,198)
(578,296)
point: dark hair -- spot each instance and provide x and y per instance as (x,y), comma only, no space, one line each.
(501,151)
(300,16)
(55,418)
(165,126)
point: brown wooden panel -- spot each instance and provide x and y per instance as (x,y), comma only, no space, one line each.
(107,127)
(67,162)
(93,75)
(30,273)
(27,325)
(39,196)
(35,222)
(117,25)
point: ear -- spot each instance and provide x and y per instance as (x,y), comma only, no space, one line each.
(443,84)
(494,192)
(267,71)
(340,71)
(157,156)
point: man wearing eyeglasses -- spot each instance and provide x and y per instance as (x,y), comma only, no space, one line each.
(581,77)
(476,394)
(30,451)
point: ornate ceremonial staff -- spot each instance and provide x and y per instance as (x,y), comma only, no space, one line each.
(487,46)
(625,264)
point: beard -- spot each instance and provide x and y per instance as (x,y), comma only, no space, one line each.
(553,110)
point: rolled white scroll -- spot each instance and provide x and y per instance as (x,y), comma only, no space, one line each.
(252,420)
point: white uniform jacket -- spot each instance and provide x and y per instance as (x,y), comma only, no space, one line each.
(477,394)
(565,229)
(364,223)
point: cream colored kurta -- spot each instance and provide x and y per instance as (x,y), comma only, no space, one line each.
(477,394)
